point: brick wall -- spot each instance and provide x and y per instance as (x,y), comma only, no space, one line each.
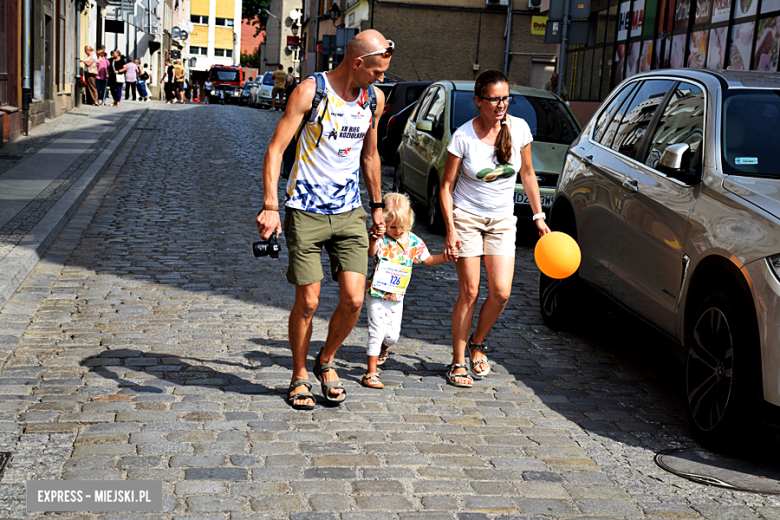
(439,43)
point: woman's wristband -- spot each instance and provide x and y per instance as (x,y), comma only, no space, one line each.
(538,216)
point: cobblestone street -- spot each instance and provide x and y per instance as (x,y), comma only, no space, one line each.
(149,344)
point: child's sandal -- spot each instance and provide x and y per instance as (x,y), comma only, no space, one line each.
(371,380)
(383,355)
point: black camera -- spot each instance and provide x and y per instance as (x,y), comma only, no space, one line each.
(268,247)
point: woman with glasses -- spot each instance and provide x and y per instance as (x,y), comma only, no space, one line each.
(489,151)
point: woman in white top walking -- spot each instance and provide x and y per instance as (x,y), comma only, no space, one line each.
(489,151)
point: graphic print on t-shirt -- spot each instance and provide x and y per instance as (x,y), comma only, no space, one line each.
(501,171)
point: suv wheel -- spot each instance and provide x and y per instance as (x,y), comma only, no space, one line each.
(721,377)
(435,219)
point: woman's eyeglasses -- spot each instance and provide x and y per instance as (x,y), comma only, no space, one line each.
(385,53)
(494,101)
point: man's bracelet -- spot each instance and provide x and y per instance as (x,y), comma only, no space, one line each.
(538,216)
(269,208)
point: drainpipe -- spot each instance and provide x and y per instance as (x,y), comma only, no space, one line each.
(77,76)
(26,65)
(508,35)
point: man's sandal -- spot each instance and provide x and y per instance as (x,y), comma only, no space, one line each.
(291,398)
(327,386)
(471,347)
(383,354)
(371,380)
(451,378)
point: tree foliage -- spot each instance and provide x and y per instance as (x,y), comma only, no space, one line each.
(252,11)
(251,60)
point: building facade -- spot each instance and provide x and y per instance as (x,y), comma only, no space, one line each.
(628,37)
(215,38)
(275,50)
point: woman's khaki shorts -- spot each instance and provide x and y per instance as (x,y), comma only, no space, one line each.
(343,236)
(481,236)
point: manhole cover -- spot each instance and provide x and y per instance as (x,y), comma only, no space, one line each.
(705,467)
(4,458)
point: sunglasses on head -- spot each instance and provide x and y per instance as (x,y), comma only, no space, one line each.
(385,53)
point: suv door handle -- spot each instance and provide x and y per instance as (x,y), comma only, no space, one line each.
(631,185)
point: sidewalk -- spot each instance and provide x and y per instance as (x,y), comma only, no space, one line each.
(46,175)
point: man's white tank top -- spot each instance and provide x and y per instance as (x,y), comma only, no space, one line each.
(325,178)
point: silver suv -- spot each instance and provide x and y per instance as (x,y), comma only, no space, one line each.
(673,193)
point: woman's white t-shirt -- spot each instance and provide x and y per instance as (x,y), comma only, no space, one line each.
(485,187)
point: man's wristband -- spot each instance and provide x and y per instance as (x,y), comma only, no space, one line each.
(538,216)
(269,208)
(376,205)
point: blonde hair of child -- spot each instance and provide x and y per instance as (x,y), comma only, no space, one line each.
(398,211)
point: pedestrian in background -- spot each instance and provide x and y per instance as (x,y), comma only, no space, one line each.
(552,86)
(208,86)
(179,73)
(280,80)
(394,254)
(290,84)
(143,77)
(131,80)
(90,71)
(170,85)
(116,78)
(101,79)
(488,151)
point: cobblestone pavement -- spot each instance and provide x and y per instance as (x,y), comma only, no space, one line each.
(151,345)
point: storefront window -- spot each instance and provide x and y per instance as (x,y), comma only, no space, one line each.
(769,6)
(741,43)
(620,63)
(682,14)
(597,70)
(721,10)
(601,29)
(677,56)
(745,8)
(702,11)
(646,58)
(633,58)
(606,71)
(717,48)
(767,38)
(587,74)
(697,49)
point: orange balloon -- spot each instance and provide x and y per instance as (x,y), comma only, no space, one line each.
(557,255)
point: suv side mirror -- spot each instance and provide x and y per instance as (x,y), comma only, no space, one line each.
(425,126)
(676,162)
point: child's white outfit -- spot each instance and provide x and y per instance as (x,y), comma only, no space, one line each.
(386,286)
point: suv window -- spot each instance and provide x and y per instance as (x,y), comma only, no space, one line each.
(637,117)
(423,105)
(751,123)
(435,112)
(413,93)
(609,113)
(682,122)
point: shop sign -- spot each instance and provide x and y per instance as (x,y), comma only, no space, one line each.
(631,20)
(538,25)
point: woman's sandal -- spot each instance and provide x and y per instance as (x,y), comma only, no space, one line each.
(383,355)
(291,398)
(471,346)
(451,378)
(371,380)
(327,386)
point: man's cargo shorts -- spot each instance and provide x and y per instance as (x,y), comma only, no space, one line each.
(344,237)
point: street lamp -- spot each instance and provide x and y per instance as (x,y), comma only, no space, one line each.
(335,12)
(269,13)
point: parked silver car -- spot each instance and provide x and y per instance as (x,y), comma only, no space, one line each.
(260,94)
(673,193)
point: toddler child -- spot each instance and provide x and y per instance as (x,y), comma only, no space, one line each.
(394,255)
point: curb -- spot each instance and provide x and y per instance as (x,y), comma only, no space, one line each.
(21,260)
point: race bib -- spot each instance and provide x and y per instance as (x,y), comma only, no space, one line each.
(391,278)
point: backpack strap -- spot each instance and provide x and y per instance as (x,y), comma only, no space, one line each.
(372,103)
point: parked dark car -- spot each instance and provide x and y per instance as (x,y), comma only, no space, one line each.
(400,97)
(394,134)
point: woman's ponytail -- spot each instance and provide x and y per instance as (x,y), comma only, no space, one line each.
(503,149)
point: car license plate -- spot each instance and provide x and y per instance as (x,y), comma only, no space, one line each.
(522,199)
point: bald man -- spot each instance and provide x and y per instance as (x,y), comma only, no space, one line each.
(323,206)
